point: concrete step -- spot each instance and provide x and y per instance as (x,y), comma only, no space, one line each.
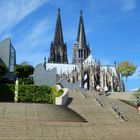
(90,109)
(130,111)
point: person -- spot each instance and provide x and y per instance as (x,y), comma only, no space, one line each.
(137,104)
(106,90)
(98,88)
(139,109)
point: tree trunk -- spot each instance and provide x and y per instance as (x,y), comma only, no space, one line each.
(126,84)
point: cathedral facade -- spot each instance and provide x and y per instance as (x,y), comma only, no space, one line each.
(84,69)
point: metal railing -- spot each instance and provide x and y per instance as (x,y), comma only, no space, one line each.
(103,101)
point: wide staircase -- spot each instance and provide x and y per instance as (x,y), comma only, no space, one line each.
(99,108)
(87,106)
(129,111)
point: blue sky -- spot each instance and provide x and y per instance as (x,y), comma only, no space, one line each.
(112,29)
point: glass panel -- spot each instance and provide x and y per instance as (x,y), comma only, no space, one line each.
(12,59)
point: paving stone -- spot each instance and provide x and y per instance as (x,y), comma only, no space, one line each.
(23,121)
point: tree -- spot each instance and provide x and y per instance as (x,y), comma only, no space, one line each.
(23,70)
(3,69)
(126,69)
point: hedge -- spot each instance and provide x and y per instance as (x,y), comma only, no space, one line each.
(32,93)
(28,80)
(29,93)
(7,92)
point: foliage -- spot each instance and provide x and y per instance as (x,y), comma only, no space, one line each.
(59,93)
(29,93)
(23,70)
(126,69)
(32,93)
(7,92)
(28,80)
(55,93)
(137,94)
(3,69)
(138,90)
(26,93)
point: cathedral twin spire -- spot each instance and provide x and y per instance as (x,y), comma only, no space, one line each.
(58,36)
(81,37)
(80,49)
(58,49)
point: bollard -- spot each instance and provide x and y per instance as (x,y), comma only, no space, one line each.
(16,91)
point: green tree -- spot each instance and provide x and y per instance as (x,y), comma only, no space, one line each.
(23,70)
(3,69)
(126,69)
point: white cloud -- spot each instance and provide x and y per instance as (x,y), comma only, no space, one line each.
(36,43)
(14,11)
(128,5)
(31,45)
(39,33)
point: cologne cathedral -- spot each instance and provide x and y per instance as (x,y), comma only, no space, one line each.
(84,69)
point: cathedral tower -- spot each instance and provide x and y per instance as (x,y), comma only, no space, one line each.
(80,49)
(58,49)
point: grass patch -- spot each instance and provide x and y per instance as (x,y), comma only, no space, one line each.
(131,103)
(137,95)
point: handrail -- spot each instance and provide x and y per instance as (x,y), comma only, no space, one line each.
(103,101)
(82,92)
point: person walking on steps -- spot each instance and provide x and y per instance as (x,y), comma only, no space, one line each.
(137,104)
(98,88)
(106,90)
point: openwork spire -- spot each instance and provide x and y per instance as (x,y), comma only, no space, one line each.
(81,37)
(58,49)
(58,37)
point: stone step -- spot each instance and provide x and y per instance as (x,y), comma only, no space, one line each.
(128,111)
(90,109)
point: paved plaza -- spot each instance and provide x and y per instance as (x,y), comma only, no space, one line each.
(26,121)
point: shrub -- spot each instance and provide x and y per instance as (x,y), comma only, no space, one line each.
(59,93)
(52,95)
(32,93)
(26,93)
(55,93)
(42,94)
(7,92)
(23,70)
(29,93)
(28,80)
